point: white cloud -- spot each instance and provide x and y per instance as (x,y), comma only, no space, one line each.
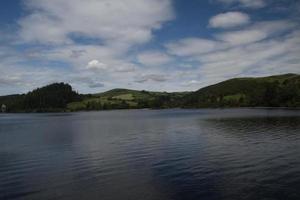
(112,55)
(229,19)
(191,83)
(264,48)
(18,77)
(151,77)
(53,27)
(153,58)
(84,79)
(256,32)
(192,46)
(243,37)
(118,22)
(274,56)
(96,65)
(245,3)
(126,67)
(96,85)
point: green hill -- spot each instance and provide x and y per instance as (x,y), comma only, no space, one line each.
(50,98)
(126,99)
(272,91)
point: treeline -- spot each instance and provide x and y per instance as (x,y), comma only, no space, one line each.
(50,98)
(140,100)
(274,91)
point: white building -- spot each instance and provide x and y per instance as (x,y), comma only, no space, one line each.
(3,108)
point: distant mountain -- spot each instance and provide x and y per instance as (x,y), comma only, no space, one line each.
(272,91)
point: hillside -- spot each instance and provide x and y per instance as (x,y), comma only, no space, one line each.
(54,97)
(272,91)
(127,99)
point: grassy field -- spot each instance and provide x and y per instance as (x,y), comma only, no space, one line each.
(126,99)
(272,91)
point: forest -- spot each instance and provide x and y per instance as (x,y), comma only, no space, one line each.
(272,91)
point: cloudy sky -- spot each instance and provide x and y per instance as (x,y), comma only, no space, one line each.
(163,45)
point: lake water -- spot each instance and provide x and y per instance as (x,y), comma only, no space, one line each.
(151,155)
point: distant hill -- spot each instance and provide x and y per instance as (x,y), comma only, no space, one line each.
(127,99)
(54,97)
(272,91)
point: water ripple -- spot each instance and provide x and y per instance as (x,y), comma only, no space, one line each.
(176,154)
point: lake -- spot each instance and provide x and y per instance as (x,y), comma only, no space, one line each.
(211,154)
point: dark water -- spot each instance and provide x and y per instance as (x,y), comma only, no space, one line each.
(140,155)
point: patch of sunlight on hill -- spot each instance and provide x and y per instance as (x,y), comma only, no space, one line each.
(127,97)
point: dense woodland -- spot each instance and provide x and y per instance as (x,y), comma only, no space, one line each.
(273,91)
(54,97)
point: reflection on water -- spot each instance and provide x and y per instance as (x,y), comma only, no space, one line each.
(168,154)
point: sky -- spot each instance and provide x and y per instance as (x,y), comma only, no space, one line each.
(158,45)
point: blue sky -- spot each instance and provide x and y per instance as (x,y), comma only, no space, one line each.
(163,45)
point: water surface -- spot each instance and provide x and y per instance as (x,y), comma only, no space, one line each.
(149,155)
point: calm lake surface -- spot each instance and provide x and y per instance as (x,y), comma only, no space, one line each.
(151,154)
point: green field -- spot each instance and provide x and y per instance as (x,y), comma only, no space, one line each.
(126,99)
(272,91)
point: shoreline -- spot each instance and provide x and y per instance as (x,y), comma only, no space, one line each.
(158,109)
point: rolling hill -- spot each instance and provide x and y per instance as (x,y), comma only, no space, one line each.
(272,91)
(127,99)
